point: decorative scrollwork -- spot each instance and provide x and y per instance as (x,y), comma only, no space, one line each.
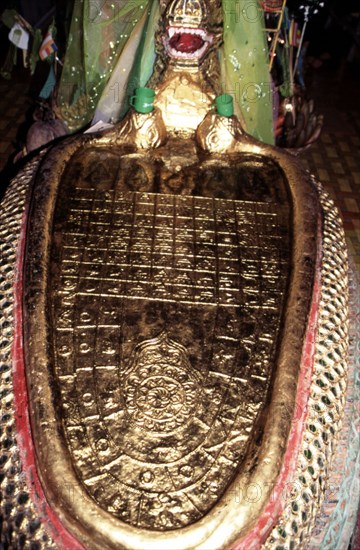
(161,390)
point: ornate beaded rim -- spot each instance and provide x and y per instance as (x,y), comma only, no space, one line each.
(324,411)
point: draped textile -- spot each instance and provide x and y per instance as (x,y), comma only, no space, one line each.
(99,32)
(111,50)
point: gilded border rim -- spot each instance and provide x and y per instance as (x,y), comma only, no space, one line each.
(305,203)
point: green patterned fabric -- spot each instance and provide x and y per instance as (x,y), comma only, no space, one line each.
(245,66)
(111,50)
(98,34)
(133,68)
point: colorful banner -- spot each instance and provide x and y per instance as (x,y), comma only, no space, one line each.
(47,47)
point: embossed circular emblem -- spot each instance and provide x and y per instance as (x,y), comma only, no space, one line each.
(161,389)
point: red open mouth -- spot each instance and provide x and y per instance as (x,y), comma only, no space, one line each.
(187,43)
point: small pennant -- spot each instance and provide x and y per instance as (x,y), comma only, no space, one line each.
(47,47)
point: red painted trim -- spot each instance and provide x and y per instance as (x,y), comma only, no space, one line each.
(276,503)
(22,418)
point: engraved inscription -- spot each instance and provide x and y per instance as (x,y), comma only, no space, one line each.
(164,247)
(166,312)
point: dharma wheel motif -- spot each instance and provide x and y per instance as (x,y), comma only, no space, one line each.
(161,391)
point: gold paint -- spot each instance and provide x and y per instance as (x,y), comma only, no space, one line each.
(183,100)
(144,131)
(334,299)
(131,523)
(161,430)
(220,134)
(148,221)
(16,503)
(187,14)
(170,409)
(327,399)
(187,88)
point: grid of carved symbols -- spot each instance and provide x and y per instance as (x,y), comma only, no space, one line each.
(166,312)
